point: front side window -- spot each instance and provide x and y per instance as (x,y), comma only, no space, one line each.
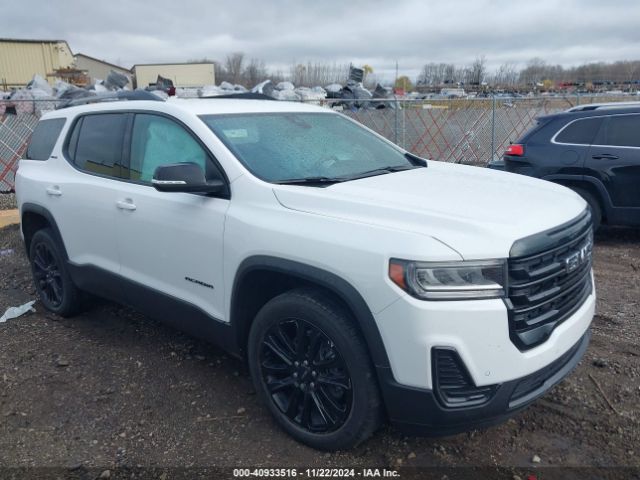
(622,131)
(96,143)
(160,141)
(281,147)
(580,132)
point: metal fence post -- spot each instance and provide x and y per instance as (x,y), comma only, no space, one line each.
(404,126)
(395,129)
(493,127)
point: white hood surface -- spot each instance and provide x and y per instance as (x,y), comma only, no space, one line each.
(478,212)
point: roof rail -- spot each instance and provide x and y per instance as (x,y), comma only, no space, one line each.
(242,95)
(600,106)
(112,97)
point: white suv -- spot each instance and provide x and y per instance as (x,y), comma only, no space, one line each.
(360,282)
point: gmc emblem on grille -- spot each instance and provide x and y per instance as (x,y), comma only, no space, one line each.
(575,260)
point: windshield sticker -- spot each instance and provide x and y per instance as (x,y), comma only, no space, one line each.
(236,133)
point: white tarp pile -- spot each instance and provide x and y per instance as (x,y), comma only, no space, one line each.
(281,91)
(38,96)
(23,99)
(353,95)
(225,88)
(288,91)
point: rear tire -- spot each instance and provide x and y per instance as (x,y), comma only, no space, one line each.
(51,276)
(594,206)
(311,367)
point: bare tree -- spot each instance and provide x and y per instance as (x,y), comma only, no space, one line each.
(220,72)
(255,72)
(478,70)
(312,74)
(630,71)
(533,73)
(506,75)
(234,64)
(450,75)
(433,74)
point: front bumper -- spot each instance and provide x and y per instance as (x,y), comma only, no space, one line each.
(419,411)
(478,330)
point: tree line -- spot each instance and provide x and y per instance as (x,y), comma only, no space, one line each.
(535,73)
(237,68)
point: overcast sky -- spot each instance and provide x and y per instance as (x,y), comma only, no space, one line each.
(567,32)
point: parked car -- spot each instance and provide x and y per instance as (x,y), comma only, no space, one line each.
(360,282)
(592,149)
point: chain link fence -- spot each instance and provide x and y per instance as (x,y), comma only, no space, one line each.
(470,131)
(15,131)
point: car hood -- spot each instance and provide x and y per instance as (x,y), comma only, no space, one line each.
(478,212)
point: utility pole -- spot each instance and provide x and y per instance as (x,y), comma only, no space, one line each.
(396,105)
(396,80)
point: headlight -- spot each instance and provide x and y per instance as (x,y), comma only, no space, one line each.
(450,280)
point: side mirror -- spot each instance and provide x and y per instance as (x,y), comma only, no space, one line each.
(184,177)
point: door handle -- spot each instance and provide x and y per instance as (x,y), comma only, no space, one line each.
(126,204)
(605,156)
(54,191)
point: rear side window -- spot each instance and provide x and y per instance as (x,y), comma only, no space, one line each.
(44,138)
(621,131)
(96,143)
(581,132)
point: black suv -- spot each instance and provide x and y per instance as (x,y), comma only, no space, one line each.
(592,149)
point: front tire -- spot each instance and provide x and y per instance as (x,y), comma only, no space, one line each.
(310,366)
(51,276)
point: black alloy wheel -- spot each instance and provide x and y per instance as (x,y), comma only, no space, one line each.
(47,275)
(311,367)
(306,376)
(51,276)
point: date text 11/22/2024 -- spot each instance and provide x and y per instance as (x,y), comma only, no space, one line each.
(315,472)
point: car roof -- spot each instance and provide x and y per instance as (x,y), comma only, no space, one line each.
(598,112)
(602,106)
(195,106)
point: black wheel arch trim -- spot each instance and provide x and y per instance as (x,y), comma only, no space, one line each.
(327,280)
(37,209)
(603,195)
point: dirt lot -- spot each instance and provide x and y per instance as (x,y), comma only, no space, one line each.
(112,388)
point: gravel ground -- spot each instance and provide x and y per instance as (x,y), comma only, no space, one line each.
(8,201)
(112,388)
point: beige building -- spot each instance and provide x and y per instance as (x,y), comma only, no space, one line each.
(20,60)
(99,69)
(182,74)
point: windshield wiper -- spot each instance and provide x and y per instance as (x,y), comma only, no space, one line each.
(383,170)
(310,180)
(332,180)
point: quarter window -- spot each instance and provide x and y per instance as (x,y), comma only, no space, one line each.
(44,138)
(159,141)
(622,131)
(580,132)
(96,143)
